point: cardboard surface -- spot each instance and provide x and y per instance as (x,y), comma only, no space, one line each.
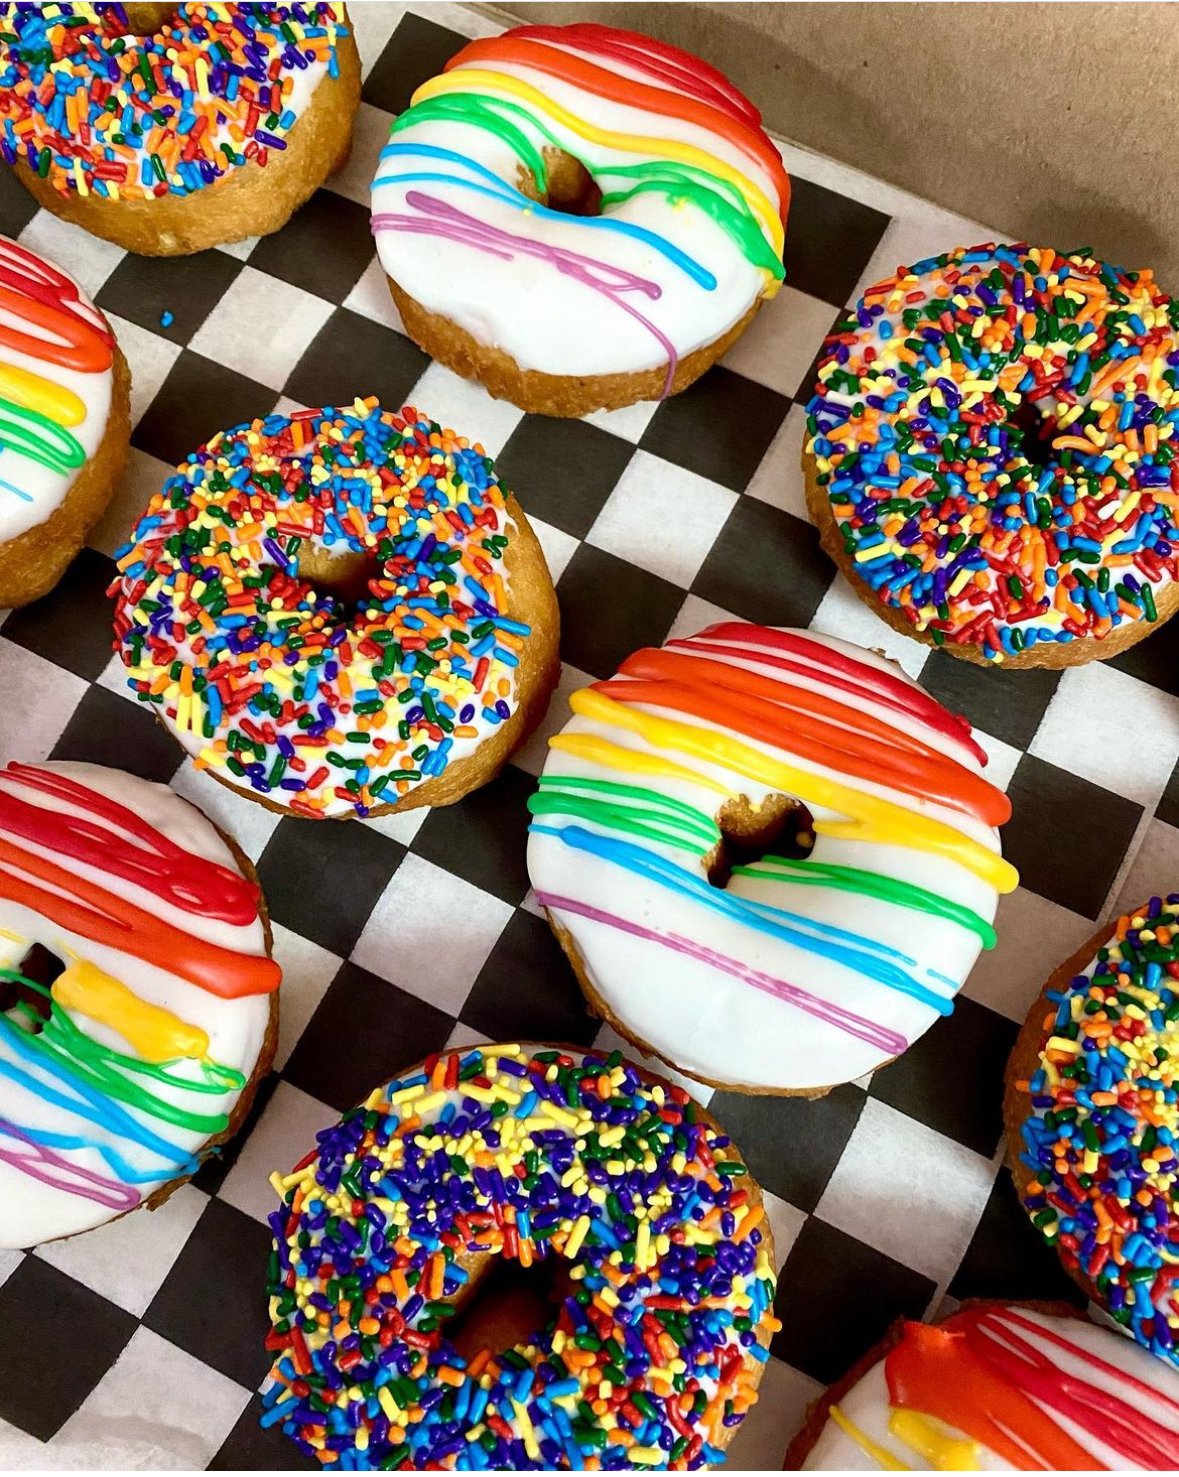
(1045,120)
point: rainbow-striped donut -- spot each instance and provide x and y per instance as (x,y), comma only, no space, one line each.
(685,238)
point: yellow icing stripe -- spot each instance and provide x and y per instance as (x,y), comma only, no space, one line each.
(943,1452)
(463,78)
(872,819)
(879,1454)
(612,756)
(154,1033)
(35,392)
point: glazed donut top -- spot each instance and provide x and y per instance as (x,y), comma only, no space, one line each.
(99,111)
(1102,1134)
(56,363)
(531,1155)
(796,972)
(274,686)
(994,430)
(1000,1389)
(693,200)
(123,1058)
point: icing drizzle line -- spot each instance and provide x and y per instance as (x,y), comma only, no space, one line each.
(36,411)
(987,1373)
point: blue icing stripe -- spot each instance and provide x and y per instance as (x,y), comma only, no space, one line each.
(877,962)
(517,200)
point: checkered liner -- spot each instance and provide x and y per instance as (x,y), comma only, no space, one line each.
(141,1344)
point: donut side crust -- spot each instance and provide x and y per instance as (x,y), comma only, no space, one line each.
(538,393)
(251,201)
(33,562)
(1053,655)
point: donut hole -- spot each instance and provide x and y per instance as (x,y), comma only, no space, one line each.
(344,576)
(28,1006)
(572,190)
(507,1305)
(778,826)
(1036,433)
(146,19)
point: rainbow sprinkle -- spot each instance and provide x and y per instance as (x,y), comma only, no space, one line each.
(99,111)
(1104,1124)
(652,1355)
(277,687)
(994,430)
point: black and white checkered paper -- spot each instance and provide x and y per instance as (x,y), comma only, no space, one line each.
(140,1345)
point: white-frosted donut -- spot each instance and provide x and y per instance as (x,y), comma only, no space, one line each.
(1001,1389)
(803,971)
(694,198)
(115,1074)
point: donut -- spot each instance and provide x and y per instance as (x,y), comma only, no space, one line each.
(606,1182)
(998,1387)
(64,421)
(769,855)
(137,1004)
(339,612)
(579,217)
(213,126)
(1092,1116)
(989,454)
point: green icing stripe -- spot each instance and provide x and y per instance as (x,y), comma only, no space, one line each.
(40,439)
(711,194)
(103,1068)
(870,884)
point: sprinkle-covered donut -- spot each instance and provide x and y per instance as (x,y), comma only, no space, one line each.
(997,1388)
(748,941)
(1093,1120)
(278,688)
(579,216)
(137,1009)
(64,427)
(132,136)
(990,453)
(615,1179)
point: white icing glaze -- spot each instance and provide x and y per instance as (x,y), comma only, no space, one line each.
(867,1407)
(32,1211)
(699,1013)
(549,319)
(29,490)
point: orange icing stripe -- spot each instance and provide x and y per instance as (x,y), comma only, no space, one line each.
(938,1372)
(105,918)
(919,771)
(603,83)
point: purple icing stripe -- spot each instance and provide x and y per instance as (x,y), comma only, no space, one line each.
(854,1025)
(41,1163)
(437,218)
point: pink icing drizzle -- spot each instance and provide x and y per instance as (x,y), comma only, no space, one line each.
(41,1163)
(451,224)
(825,1010)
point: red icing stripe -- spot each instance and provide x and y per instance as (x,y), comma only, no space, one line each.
(555,62)
(104,918)
(158,865)
(37,293)
(978,1375)
(738,700)
(885,687)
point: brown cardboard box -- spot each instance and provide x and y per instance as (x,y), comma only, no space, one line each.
(1049,122)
